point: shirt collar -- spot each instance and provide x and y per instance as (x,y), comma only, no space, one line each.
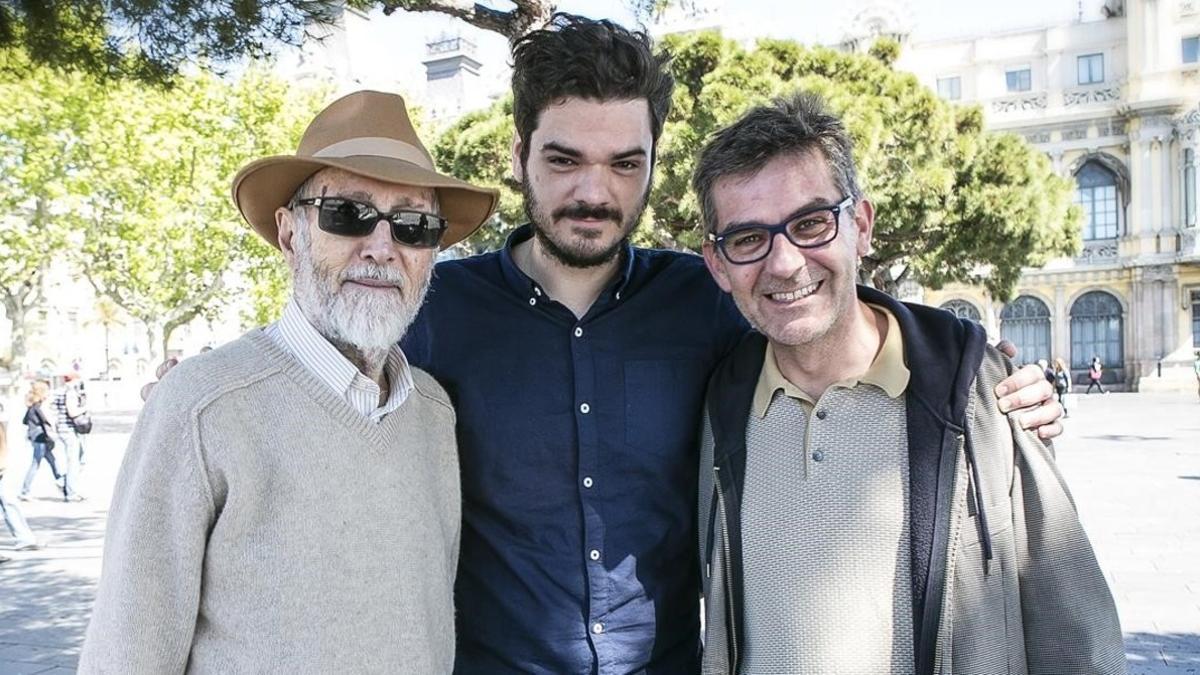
(887,371)
(297,336)
(523,284)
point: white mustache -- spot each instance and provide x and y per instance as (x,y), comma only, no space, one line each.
(373,273)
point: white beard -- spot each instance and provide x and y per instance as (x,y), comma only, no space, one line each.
(366,320)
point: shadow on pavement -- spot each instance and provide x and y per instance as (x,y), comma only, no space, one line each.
(1127,437)
(1153,653)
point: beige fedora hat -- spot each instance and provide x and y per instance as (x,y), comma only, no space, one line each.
(366,133)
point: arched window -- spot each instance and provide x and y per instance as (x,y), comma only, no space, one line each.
(1097,194)
(962,309)
(1096,325)
(1026,323)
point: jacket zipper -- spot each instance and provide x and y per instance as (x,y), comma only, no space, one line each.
(731,615)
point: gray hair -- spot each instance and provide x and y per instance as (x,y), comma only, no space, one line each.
(788,125)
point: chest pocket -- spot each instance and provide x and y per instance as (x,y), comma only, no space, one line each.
(662,402)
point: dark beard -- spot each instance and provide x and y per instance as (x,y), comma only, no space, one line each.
(578,259)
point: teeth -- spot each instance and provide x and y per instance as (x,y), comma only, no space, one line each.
(796,294)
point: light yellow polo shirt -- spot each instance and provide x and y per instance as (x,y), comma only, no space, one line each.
(887,371)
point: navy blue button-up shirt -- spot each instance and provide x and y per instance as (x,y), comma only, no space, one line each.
(577,442)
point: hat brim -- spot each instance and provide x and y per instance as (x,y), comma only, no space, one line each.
(266,184)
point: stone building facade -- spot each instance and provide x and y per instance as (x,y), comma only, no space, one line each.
(1115,103)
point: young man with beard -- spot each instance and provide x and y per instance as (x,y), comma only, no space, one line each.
(864,506)
(577,365)
(244,534)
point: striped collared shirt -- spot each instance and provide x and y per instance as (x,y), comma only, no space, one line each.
(297,336)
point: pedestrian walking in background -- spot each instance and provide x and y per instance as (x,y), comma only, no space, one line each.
(1047,371)
(71,420)
(13,518)
(1095,372)
(1062,383)
(37,430)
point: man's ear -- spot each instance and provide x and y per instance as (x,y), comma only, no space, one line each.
(517,169)
(716,266)
(864,219)
(285,222)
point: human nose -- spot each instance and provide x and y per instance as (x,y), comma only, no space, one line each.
(784,258)
(378,245)
(592,186)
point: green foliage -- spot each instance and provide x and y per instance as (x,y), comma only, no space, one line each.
(131,184)
(39,159)
(161,234)
(149,41)
(953,202)
(478,148)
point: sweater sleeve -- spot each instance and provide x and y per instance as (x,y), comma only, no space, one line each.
(146,606)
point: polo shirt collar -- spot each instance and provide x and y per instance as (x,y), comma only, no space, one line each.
(887,371)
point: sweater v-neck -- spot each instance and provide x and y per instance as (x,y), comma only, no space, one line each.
(336,406)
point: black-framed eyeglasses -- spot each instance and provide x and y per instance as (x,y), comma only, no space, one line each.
(352,218)
(810,228)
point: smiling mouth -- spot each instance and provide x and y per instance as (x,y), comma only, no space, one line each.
(798,294)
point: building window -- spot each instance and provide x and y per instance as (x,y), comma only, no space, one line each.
(950,88)
(1196,319)
(1097,194)
(1018,80)
(962,309)
(1096,330)
(1189,187)
(1026,323)
(1191,49)
(1090,68)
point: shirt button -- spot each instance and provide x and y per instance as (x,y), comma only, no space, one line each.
(578,332)
(587,481)
(821,414)
(538,291)
(818,456)
(594,555)
(532,302)
(597,628)
(585,408)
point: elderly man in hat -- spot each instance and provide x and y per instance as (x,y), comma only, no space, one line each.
(244,535)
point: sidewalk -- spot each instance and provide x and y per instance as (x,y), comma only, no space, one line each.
(1132,460)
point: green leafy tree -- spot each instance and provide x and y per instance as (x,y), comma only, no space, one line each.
(953,201)
(150,41)
(162,239)
(40,112)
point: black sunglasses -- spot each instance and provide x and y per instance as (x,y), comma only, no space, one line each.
(352,218)
(811,228)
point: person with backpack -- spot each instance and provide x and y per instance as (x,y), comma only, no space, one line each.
(71,423)
(38,432)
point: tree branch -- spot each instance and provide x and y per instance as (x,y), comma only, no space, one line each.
(527,15)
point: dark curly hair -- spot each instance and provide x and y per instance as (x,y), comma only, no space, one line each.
(574,56)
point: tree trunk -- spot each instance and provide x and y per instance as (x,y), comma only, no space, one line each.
(153,341)
(17,306)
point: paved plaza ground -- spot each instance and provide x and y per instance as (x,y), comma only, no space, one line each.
(1133,462)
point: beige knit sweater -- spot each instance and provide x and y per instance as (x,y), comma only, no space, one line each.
(260,524)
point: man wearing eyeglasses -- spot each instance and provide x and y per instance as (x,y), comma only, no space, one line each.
(864,506)
(244,534)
